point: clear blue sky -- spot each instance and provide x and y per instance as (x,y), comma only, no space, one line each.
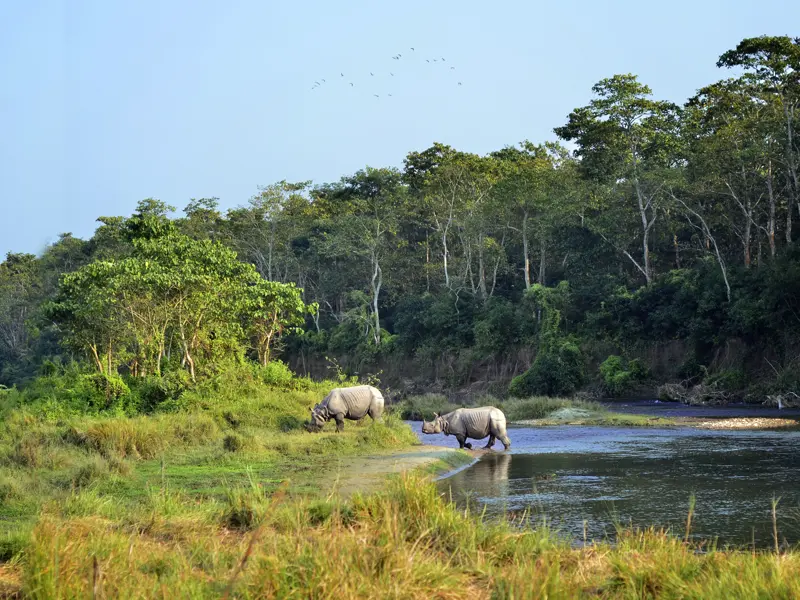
(105,103)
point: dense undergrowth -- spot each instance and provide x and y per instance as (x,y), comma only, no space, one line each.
(405,542)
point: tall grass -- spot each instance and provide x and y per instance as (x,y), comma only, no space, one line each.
(405,542)
(419,408)
(541,407)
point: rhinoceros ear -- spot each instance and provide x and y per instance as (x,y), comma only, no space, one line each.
(436,415)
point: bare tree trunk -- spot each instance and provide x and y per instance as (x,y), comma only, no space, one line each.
(791,162)
(481,269)
(427,263)
(542,261)
(444,256)
(98,363)
(746,239)
(771,214)
(789,209)
(377,280)
(707,231)
(525,251)
(647,225)
(677,250)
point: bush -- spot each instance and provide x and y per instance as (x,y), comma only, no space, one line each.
(619,376)
(556,372)
(159,393)
(276,374)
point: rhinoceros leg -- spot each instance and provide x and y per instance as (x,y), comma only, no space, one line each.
(339,422)
(490,443)
(505,440)
(462,442)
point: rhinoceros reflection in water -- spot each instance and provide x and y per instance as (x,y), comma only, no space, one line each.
(487,478)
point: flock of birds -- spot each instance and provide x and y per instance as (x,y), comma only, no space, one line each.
(398,57)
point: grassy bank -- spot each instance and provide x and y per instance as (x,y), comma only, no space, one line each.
(405,542)
(537,410)
(225,434)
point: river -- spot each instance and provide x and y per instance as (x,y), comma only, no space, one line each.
(571,475)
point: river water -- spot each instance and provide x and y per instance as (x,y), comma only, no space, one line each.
(602,476)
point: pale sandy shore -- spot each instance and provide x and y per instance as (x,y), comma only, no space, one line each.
(368,473)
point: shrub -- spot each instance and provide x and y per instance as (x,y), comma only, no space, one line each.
(555,372)
(276,374)
(618,375)
(159,393)
(94,469)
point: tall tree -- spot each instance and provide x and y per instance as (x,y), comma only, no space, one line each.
(772,64)
(626,140)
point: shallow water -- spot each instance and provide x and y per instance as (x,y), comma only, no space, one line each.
(641,477)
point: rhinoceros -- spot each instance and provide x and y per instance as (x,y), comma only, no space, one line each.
(475,423)
(351,403)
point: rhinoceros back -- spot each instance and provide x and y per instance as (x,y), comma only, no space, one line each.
(354,401)
(475,423)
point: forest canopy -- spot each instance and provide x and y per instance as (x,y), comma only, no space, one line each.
(667,235)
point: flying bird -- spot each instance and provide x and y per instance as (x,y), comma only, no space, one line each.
(452,68)
(372,74)
(390,95)
(351,85)
(376,95)
(412,49)
(443,60)
(323,81)
(459,83)
(342,74)
(317,82)
(392,74)
(426,60)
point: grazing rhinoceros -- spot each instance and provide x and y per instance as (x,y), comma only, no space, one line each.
(475,423)
(352,403)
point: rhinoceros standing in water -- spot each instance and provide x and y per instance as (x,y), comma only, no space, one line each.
(475,423)
(352,403)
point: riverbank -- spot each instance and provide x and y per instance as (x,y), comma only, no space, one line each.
(403,542)
(632,420)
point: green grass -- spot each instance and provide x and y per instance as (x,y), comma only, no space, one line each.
(562,411)
(404,542)
(419,408)
(227,433)
(227,498)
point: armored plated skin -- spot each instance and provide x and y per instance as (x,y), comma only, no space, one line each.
(475,423)
(353,403)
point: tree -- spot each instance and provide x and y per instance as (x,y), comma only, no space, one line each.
(537,186)
(272,310)
(772,64)
(626,141)
(20,289)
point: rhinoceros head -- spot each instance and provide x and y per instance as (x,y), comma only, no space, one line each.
(319,416)
(434,426)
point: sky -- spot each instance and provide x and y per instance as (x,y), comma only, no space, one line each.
(103,104)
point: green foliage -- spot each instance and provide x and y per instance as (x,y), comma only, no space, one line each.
(672,226)
(618,375)
(556,371)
